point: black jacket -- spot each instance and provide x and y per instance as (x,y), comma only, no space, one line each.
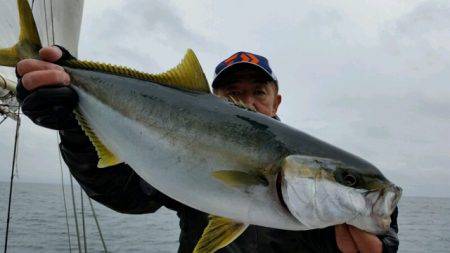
(120,188)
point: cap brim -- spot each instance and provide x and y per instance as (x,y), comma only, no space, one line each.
(229,68)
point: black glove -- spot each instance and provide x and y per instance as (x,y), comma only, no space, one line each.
(50,106)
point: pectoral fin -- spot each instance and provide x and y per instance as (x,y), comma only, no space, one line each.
(219,233)
(236,178)
(106,157)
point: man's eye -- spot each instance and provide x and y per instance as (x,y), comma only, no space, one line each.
(260,92)
(233,93)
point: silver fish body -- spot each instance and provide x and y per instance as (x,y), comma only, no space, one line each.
(178,139)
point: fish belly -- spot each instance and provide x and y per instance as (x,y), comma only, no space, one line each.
(182,172)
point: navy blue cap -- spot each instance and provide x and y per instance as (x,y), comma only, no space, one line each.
(259,61)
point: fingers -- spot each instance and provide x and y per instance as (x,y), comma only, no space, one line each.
(39,78)
(38,73)
(344,240)
(47,54)
(365,242)
(30,65)
(50,54)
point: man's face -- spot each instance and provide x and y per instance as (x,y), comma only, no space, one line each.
(253,91)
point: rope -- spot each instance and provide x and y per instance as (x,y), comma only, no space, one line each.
(83,221)
(75,213)
(17,155)
(53,26)
(16,142)
(64,193)
(46,21)
(59,156)
(98,225)
(71,180)
(3,120)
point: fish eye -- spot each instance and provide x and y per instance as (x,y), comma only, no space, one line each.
(346,177)
(349,179)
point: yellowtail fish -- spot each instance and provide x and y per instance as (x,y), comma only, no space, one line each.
(238,165)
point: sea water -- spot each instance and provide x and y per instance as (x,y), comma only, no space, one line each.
(38,224)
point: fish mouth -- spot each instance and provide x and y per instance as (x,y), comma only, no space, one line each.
(387,200)
(384,203)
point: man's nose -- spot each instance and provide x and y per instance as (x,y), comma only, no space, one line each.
(248,99)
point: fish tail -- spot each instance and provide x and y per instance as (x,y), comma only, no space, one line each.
(29,42)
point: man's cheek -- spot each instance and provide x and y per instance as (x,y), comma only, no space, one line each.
(263,108)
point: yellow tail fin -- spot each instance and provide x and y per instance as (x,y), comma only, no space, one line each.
(29,41)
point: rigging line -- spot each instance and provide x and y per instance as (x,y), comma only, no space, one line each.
(59,151)
(53,26)
(71,181)
(82,218)
(16,138)
(17,159)
(17,141)
(46,21)
(64,192)
(3,120)
(98,225)
(75,214)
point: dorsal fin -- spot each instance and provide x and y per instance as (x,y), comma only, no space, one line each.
(187,75)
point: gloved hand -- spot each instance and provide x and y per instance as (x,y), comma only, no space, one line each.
(43,90)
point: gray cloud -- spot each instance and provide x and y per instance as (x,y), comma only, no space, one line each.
(137,34)
(420,37)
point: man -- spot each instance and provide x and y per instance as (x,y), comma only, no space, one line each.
(47,99)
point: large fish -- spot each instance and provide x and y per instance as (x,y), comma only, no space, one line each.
(236,164)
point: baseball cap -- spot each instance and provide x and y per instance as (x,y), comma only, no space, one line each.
(239,59)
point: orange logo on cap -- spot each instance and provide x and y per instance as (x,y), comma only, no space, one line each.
(246,57)
(230,59)
(253,58)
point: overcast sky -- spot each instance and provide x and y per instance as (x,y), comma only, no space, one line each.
(371,77)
